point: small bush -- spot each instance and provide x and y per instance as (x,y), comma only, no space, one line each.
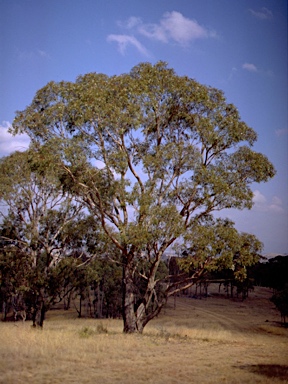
(86,332)
(101,328)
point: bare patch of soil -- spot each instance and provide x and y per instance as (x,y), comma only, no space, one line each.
(254,314)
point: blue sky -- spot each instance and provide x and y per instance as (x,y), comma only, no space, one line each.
(237,46)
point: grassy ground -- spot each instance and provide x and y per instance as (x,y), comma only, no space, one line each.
(212,340)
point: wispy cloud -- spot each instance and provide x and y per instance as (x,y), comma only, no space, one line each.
(9,143)
(177,27)
(43,54)
(250,67)
(172,27)
(262,14)
(262,204)
(232,73)
(124,40)
(32,55)
(131,22)
(281,132)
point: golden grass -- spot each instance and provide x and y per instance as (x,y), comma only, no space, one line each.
(201,341)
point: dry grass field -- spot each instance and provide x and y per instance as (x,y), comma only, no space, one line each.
(213,340)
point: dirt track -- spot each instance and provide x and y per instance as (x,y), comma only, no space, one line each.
(225,313)
(208,341)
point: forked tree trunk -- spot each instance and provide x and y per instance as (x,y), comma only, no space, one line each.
(38,314)
(135,317)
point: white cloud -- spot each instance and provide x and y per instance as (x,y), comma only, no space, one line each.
(173,26)
(154,32)
(276,200)
(281,132)
(258,198)
(263,14)
(43,54)
(250,67)
(182,29)
(32,55)
(125,40)
(130,23)
(9,143)
(262,204)
(232,73)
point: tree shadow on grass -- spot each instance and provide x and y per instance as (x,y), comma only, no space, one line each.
(268,370)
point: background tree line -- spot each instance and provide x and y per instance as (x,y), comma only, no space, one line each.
(274,274)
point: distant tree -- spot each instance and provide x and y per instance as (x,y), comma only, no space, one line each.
(151,155)
(220,251)
(108,288)
(280,299)
(37,212)
(221,246)
(13,268)
(277,272)
(272,273)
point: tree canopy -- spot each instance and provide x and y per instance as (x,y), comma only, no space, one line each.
(33,232)
(151,155)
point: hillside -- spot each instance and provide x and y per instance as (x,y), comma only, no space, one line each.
(213,340)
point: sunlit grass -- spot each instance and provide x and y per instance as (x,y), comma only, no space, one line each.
(180,346)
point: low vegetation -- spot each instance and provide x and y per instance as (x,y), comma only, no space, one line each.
(208,340)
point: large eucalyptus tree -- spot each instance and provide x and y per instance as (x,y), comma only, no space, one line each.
(152,155)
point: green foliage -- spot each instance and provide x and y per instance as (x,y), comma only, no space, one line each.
(87,332)
(218,246)
(280,299)
(151,155)
(33,240)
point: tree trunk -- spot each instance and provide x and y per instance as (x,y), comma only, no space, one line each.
(129,315)
(42,315)
(80,307)
(67,300)
(4,310)
(38,314)
(34,315)
(135,317)
(99,302)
